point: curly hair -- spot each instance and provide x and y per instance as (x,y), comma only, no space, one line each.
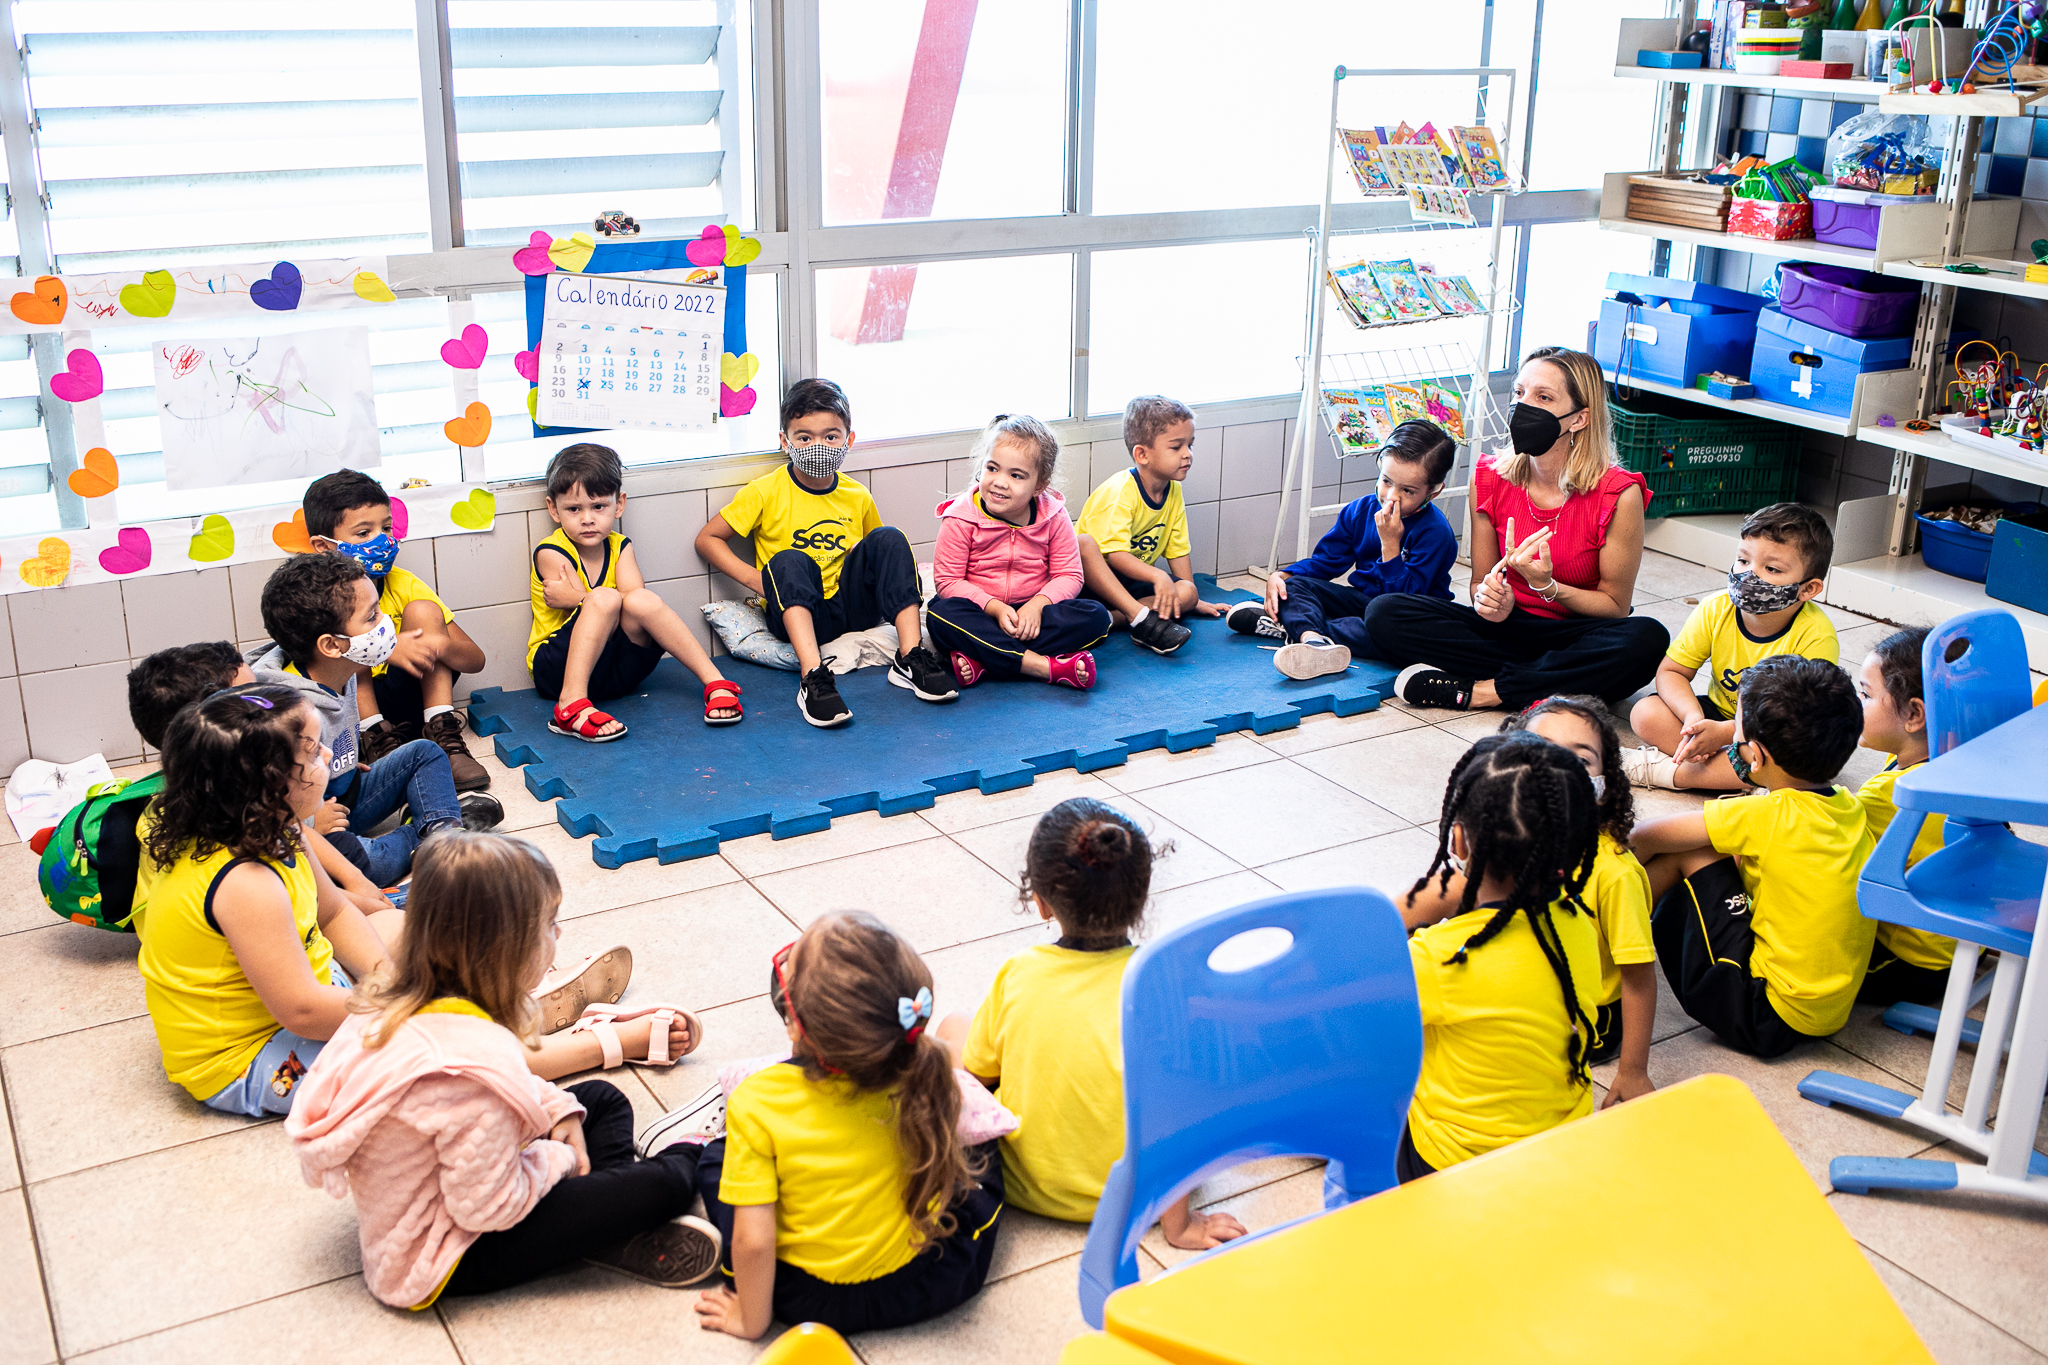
(1092,865)
(1617,807)
(229,761)
(306,597)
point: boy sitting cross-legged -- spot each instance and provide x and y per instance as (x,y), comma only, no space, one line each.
(1135,519)
(598,629)
(412,694)
(823,561)
(1394,539)
(1756,921)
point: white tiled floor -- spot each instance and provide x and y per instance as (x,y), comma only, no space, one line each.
(135,1226)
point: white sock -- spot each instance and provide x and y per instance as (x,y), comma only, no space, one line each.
(433,711)
(1310,637)
(1143,612)
(369,722)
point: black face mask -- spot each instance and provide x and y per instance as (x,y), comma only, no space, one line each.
(1534,430)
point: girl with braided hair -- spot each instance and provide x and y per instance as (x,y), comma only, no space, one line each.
(1506,968)
(1049,1034)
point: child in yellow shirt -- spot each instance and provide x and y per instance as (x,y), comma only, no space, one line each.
(1905,964)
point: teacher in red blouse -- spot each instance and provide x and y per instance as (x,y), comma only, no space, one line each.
(1557,541)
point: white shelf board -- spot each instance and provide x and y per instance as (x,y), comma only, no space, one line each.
(1798,249)
(1936,446)
(1984,102)
(1864,91)
(1931,271)
(1750,407)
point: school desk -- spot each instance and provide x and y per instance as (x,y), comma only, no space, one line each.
(1675,1228)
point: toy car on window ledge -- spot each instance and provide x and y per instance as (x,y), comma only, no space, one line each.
(616,224)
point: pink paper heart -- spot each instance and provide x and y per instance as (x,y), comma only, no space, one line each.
(731,404)
(528,365)
(467,351)
(131,555)
(532,259)
(708,249)
(400,518)
(81,379)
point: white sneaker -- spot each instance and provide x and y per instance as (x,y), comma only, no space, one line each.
(1312,659)
(703,1118)
(1647,766)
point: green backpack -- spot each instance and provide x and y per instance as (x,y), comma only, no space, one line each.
(90,862)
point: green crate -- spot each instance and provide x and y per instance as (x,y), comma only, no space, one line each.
(1699,464)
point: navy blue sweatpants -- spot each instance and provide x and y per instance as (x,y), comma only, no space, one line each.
(1063,628)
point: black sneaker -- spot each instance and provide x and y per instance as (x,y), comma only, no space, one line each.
(927,678)
(1158,634)
(375,742)
(1422,685)
(817,698)
(480,811)
(1250,618)
(676,1254)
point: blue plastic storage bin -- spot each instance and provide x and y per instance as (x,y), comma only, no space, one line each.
(1823,377)
(2019,561)
(1962,553)
(1679,330)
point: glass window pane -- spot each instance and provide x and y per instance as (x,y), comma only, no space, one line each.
(1251,329)
(943,108)
(1578,92)
(1212,108)
(947,345)
(1568,265)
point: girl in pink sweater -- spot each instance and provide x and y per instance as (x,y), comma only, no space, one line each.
(469,1172)
(1008,569)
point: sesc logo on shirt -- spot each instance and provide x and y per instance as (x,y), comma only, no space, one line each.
(1146,544)
(827,536)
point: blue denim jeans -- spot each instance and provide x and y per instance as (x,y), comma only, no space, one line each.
(272,1080)
(415,775)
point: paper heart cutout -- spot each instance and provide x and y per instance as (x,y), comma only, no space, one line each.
(739,250)
(467,351)
(153,297)
(213,541)
(475,512)
(734,404)
(473,428)
(131,555)
(290,536)
(51,566)
(528,365)
(97,474)
(533,405)
(708,249)
(368,287)
(572,253)
(532,259)
(401,520)
(738,371)
(81,380)
(279,293)
(44,305)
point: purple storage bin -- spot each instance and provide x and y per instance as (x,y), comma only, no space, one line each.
(1846,224)
(1850,303)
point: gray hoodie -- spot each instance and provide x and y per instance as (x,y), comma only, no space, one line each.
(337,711)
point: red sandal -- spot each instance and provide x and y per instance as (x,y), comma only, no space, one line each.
(720,696)
(580,719)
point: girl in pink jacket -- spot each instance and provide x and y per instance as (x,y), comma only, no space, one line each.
(1009,571)
(469,1172)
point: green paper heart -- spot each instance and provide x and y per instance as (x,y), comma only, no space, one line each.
(213,541)
(153,297)
(476,513)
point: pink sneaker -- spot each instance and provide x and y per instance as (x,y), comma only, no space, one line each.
(1072,670)
(965,670)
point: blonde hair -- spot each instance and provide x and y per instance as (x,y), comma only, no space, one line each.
(473,924)
(1024,430)
(1592,450)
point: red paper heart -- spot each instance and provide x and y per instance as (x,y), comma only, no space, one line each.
(131,555)
(528,365)
(467,351)
(708,249)
(532,259)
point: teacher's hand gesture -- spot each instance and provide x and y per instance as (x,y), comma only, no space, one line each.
(1530,558)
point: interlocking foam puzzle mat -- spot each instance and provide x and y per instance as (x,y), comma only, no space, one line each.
(675,787)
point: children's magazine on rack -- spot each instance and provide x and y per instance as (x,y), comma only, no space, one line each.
(1401,283)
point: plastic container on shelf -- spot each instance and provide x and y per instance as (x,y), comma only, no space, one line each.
(1846,217)
(1804,366)
(1700,460)
(1847,301)
(1954,549)
(1675,329)
(2019,562)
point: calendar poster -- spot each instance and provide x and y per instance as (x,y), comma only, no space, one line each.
(619,352)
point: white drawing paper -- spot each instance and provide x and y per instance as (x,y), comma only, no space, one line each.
(255,409)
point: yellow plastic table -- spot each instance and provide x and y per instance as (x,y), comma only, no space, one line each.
(1678,1227)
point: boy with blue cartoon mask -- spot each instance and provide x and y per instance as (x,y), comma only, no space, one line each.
(412,692)
(1769,608)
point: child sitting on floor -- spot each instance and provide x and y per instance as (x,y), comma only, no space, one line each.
(413,691)
(823,562)
(1136,519)
(840,1184)
(1008,570)
(1617,892)
(598,629)
(1049,1035)
(1756,921)
(1905,964)
(1768,609)
(1507,982)
(469,1172)
(1394,539)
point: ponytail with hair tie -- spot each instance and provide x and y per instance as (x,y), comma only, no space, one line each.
(1102,843)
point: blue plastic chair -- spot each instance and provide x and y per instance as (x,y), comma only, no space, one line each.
(1314,1052)
(1980,888)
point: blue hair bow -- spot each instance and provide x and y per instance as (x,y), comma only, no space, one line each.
(911,1013)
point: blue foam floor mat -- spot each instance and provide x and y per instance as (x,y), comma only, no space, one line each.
(675,787)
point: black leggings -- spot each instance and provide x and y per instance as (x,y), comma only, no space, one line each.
(619,1199)
(1528,657)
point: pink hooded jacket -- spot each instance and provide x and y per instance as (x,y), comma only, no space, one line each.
(441,1134)
(980,557)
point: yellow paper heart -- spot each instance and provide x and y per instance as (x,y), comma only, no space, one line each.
(475,512)
(213,541)
(572,253)
(738,371)
(739,250)
(153,297)
(533,405)
(51,566)
(368,286)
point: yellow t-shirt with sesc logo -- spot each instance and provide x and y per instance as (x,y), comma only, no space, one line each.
(781,514)
(1121,517)
(1714,635)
